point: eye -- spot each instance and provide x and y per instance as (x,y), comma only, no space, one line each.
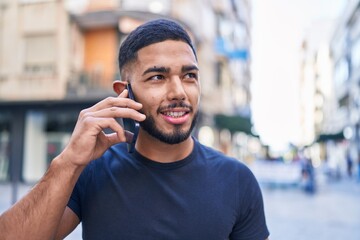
(190,76)
(156,77)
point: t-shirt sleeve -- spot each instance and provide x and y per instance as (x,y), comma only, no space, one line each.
(251,223)
(74,202)
(78,192)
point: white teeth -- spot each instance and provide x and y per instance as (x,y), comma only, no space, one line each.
(175,114)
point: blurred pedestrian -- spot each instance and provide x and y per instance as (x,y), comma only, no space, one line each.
(170,187)
(358,168)
(308,175)
(349,164)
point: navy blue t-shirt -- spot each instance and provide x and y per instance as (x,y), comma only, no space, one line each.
(207,195)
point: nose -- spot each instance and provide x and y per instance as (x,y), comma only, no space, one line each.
(176,90)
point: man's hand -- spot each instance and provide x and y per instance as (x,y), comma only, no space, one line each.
(38,215)
(88,140)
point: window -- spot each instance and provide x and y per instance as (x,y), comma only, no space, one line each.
(344,101)
(46,134)
(40,55)
(341,73)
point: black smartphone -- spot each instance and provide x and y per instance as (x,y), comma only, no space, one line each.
(130,124)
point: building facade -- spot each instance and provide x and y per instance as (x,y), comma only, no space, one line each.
(57,58)
(345,47)
(332,72)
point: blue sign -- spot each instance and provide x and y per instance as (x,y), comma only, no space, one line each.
(222,49)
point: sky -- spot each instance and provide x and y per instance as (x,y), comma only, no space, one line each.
(278,29)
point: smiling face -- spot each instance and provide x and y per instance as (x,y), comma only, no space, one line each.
(165,79)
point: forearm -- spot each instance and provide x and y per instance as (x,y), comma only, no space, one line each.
(37,215)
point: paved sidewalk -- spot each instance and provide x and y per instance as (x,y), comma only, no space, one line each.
(331,213)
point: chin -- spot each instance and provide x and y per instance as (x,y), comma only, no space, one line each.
(178,133)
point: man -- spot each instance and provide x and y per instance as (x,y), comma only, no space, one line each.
(170,187)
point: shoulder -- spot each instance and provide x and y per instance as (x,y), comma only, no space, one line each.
(210,153)
(219,160)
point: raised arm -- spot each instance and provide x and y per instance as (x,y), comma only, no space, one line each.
(39,214)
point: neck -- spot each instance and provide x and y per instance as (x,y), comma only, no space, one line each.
(158,151)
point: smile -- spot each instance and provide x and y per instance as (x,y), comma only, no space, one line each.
(174,114)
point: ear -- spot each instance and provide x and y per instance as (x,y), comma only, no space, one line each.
(119,86)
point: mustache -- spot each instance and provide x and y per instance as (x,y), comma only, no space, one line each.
(175,105)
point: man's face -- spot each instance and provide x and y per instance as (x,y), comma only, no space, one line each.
(165,79)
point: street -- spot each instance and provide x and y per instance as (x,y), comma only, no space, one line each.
(333,212)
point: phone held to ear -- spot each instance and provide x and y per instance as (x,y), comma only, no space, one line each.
(130,124)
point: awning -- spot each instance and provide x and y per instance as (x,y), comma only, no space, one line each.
(234,123)
(331,137)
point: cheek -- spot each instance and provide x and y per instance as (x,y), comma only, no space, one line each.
(150,104)
(194,95)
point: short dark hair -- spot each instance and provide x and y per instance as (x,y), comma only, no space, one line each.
(149,33)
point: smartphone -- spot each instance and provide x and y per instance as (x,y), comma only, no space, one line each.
(130,124)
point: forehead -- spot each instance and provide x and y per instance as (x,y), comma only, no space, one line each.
(166,52)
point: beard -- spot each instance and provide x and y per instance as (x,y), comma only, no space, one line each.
(178,134)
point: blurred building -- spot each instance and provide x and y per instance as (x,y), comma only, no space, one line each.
(306,96)
(330,72)
(58,57)
(345,48)
(317,93)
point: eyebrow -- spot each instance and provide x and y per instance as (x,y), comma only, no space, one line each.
(189,68)
(167,70)
(157,70)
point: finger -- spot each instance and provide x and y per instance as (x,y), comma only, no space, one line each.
(119,101)
(117,112)
(111,123)
(129,103)
(122,135)
(119,134)
(113,138)
(90,126)
(124,93)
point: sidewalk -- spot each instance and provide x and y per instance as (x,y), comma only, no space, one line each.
(333,212)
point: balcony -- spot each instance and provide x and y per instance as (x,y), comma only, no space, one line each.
(87,85)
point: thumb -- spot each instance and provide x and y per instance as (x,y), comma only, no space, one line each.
(113,138)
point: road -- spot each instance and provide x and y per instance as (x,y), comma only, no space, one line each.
(333,212)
